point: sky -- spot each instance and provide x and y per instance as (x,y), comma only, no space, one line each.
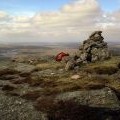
(58,20)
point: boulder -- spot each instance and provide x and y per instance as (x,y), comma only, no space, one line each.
(105,98)
(15,108)
(99,104)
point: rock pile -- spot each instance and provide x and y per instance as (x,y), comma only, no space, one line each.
(93,49)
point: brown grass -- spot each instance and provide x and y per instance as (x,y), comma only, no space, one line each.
(92,76)
(119,65)
(102,70)
(103,67)
(51,65)
(8,71)
(19,81)
(8,87)
(31,95)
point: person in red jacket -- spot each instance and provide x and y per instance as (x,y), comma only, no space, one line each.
(60,56)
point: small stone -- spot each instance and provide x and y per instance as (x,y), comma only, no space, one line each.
(94,33)
(75,77)
(52,73)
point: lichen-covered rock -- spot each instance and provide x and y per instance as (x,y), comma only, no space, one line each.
(14,108)
(95,98)
(70,65)
(99,104)
(94,48)
(24,68)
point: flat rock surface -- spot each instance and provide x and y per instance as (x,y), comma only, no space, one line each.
(100,104)
(93,98)
(24,68)
(13,108)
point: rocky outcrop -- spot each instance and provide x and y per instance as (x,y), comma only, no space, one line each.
(93,49)
(105,98)
(14,108)
(99,104)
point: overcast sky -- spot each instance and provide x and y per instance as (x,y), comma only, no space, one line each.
(58,20)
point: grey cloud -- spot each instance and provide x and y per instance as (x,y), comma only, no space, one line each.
(73,22)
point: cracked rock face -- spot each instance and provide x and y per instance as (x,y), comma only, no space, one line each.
(93,49)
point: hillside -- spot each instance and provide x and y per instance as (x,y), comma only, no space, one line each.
(45,80)
(34,86)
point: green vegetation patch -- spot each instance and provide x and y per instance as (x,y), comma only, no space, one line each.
(103,67)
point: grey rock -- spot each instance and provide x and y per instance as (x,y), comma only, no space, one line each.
(94,98)
(94,48)
(83,56)
(24,68)
(94,58)
(13,108)
(98,33)
(79,61)
(70,65)
(99,104)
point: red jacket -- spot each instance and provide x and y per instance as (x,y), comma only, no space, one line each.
(60,56)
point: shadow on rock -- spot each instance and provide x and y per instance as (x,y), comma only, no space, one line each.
(72,111)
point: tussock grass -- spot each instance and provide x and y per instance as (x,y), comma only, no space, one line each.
(103,67)
(31,95)
(49,65)
(8,71)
